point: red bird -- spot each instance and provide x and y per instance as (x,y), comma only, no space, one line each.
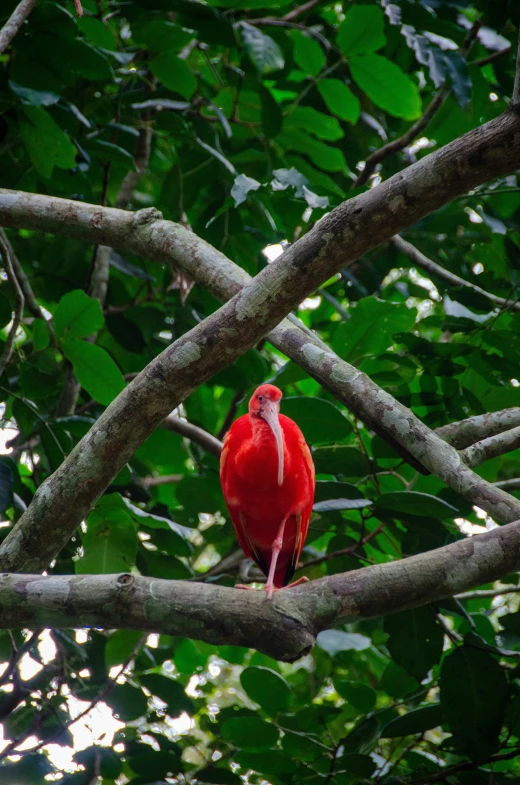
(267,477)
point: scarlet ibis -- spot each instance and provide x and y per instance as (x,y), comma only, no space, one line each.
(267,477)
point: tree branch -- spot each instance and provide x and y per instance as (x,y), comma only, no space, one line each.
(450,278)
(5,252)
(515,98)
(30,300)
(15,21)
(194,434)
(285,627)
(491,447)
(344,235)
(463,433)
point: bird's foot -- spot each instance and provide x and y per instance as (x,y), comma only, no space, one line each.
(243,586)
(303,579)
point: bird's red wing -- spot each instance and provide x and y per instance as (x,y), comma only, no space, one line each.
(238,517)
(303,518)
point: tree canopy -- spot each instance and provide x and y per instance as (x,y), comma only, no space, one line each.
(343,178)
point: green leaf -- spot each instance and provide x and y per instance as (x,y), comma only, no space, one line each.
(341,459)
(308,53)
(242,186)
(95,369)
(250,733)
(110,542)
(370,330)
(416,640)
(170,691)
(106,151)
(263,51)
(320,421)
(327,490)
(415,721)
(48,146)
(267,688)
(388,87)
(415,503)
(340,100)
(269,762)
(41,338)
(174,74)
(120,646)
(331,159)
(162,36)
(362,30)
(474,695)
(271,116)
(334,641)
(314,122)
(361,696)
(77,315)
(127,702)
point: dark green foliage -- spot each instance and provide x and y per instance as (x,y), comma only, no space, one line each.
(258,130)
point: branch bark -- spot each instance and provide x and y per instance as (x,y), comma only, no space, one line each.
(450,278)
(15,21)
(463,433)
(284,628)
(348,232)
(491,447)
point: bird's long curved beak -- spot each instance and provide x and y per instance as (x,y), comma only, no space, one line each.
(270,415)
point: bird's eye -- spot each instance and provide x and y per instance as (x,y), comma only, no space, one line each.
(260,397)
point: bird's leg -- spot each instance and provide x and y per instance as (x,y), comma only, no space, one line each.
(277,547)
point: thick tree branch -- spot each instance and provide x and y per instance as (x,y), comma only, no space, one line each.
(515,98)
(348,232)
(491,447)
(463,433)
(448,277)
(15,21)
(284,628)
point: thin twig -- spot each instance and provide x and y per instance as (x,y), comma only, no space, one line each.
(448,771)
(301,9)
(15,21)
(230,416)
(30,300)
(490,58)
(194,434)
(402,141)
(153,482)
(407,138)
(18,302)
(104,692)
(418,258)
(483,593)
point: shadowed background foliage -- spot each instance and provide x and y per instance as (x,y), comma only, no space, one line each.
(248,122)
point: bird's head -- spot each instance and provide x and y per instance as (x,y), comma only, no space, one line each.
(265,404)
